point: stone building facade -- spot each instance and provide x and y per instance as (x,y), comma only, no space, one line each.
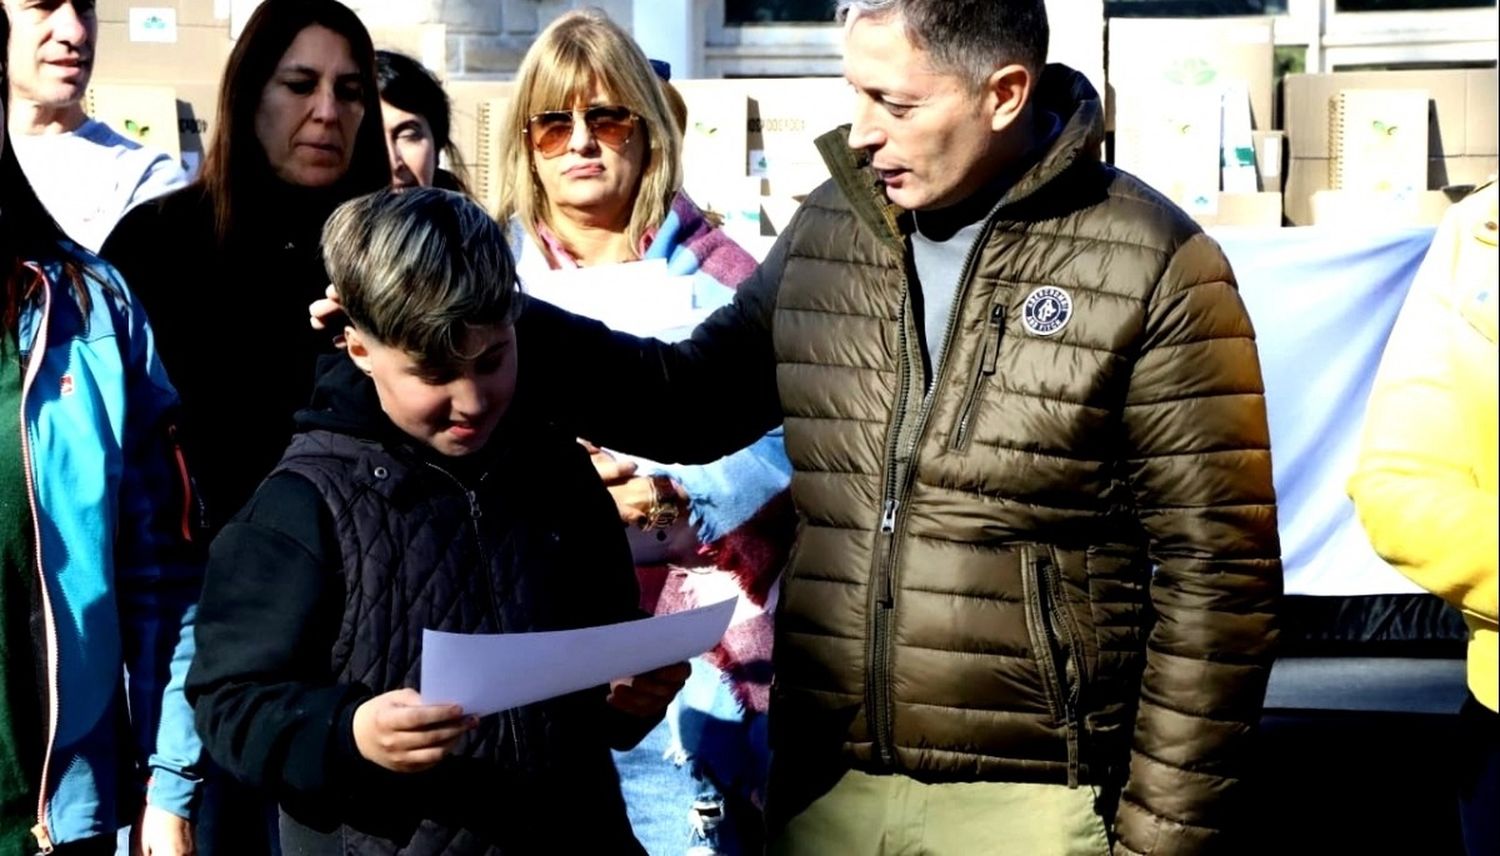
(486,39)
(482,38)
(479,39)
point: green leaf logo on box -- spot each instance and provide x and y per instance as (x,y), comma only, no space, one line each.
(1192,71)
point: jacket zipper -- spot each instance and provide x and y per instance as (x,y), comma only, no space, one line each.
(984,368)
(1073,672)
(512,717)
(40,831)
(186,481)
(475,513)
(878,653)
(1057,651)
(878,698)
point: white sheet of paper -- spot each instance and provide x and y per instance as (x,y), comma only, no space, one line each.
(490,672)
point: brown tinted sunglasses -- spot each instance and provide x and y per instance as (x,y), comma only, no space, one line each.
(550,131)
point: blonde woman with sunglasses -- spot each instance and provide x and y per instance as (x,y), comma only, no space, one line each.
(591,166)
(590,158)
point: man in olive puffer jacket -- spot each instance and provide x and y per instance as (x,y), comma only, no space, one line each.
(1032,604)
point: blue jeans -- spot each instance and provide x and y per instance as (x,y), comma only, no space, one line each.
(687,784)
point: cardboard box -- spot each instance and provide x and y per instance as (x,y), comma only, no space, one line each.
(1237,143)
(1260,210)
(143,112)
(197,120)
(715,143)
(198,54)
(190,13)
(1174,144)
(784,118)
(1304,177)
(776,122)
(1461,121)
(1147,53)
(194,113)
(1308,176)
(466,97)
(750,144)
(1480,112)
(1270,159)
(1356,209)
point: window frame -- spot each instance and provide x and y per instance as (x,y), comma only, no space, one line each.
(769,50)
(1435,35)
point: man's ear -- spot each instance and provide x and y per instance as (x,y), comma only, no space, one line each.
(359,352)
(1008,91)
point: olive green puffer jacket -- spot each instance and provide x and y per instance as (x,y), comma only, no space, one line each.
(971,595)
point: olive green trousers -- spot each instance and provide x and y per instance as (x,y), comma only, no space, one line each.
(892,815)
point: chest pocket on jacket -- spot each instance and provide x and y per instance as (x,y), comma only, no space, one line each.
(983,369)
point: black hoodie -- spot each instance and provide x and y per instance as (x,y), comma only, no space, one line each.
(315,598)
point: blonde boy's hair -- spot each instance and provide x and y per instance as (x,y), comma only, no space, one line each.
(417,269)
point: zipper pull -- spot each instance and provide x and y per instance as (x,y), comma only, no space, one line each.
(888,516)
(43,839)
(475,512)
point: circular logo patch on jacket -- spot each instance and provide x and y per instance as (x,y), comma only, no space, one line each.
(1047,310)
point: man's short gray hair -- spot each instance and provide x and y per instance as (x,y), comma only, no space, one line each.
(969,38)
(417,269)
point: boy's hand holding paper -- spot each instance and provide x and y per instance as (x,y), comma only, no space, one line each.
(398,732)
(647,695)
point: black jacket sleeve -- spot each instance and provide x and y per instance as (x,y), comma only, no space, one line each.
(595,546)
(147,247)
(130,243)
(264,699)
(616,389)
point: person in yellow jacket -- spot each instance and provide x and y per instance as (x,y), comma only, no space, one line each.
(1425,483)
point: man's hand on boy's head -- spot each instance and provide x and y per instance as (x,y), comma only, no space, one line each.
(398,732)
(647,695)
(324,312)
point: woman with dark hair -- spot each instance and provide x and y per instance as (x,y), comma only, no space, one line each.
(97,574)
(227,265)
(418,123)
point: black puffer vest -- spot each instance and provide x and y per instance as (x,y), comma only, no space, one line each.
(530,542)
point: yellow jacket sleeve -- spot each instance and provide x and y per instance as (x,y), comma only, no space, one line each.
(1425,481)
